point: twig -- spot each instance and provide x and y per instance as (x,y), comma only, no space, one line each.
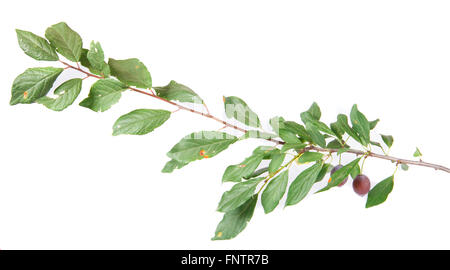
(309,148)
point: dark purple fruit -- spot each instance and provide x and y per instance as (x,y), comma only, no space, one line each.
(361,184)
(337,167)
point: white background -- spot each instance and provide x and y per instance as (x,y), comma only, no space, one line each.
(66,183)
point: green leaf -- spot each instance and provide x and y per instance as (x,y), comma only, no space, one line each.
(84,60)
(379,193)
(66,92)
(275,163)
(388,140)
(342,122)
(302,184)
(200,145)
(33,84)
(173,164)
(131,71)
(295,146)
(404,167)
(297,129)
(236,108)
(103,94)
(276,123)
(373,123)
(316,136)
(337,130)
(417,153)
(288,136)
(309,157)
(360,125)
(234,173)
(257,173)
(376,144)
(325,169)
(266,151)
(140,122)
(340,175)
(235,221)
(274,191)
(238,195)
(342,150)
(35,46)
(355,171)
(96,59)
(334,144)
(66,41)
(179,92)
(258,135)
(314,111)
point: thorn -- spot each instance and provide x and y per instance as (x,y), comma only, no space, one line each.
(176,110)
(222,127)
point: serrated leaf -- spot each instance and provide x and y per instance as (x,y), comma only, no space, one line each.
(235,221)
(66,41)
(131,72)
(140,121)
(173,164)
(309,157)
(274,191)
(417,153)
(316,136)
(66,92)
(35,46)
(379,193)
(340,175)
(275,163)
(179,92)
(103,94)
(404,167)
(200,145)
(34,83)
(302,184)
(234,173)
(238,195)
(237,108)
(388,140)
(360,125)
(96,58)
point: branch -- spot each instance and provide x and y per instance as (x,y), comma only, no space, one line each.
(226,124)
